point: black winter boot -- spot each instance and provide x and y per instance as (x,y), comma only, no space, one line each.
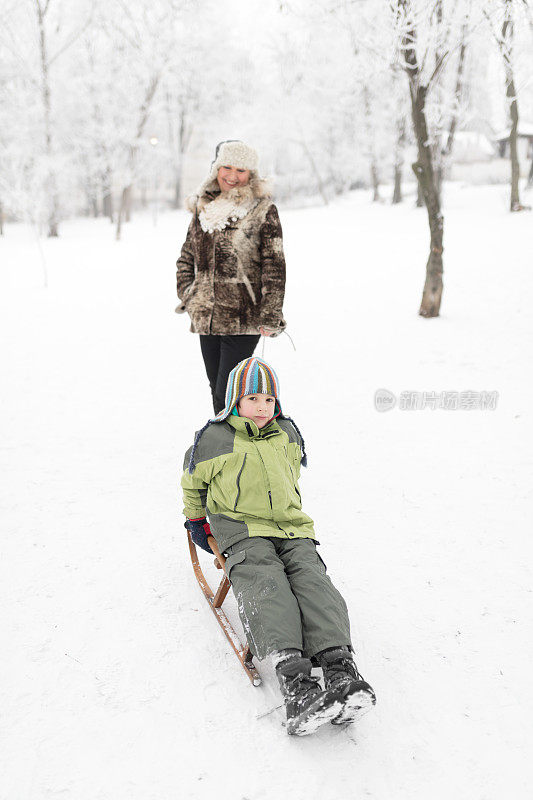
(341,676)
(307,705)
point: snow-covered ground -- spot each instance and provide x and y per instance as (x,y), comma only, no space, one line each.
(115,681)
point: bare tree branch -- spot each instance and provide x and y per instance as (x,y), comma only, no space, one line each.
(74,36)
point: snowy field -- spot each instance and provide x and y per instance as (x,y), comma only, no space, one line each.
(115,681)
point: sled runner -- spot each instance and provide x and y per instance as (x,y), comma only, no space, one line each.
(215,602)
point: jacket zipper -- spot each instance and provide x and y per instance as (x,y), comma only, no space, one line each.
(270,493)
(239,482)
(213,279)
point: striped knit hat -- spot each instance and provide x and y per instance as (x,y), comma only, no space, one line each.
(251,376)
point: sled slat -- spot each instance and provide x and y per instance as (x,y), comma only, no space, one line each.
(215,601)
(221,592)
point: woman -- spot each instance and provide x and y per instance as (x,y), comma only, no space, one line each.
(231,271)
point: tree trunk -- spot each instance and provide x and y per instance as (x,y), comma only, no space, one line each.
(369,123)
(186,130)
(143,192)
(423,169)
(398,162)
(177,187)
(315,170)
(439,176)
(53,225)
(425,174)
(144,113)
(397,193)
(530,176)
(184,135)
(50,181)
(124,202)
(126,198)
(513,144)
(507,47)
(419,196)
(458,92)
(438,93)
(433,286)
(444,153)
(375,181)
(107,203)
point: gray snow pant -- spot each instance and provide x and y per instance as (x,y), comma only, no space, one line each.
(284,597)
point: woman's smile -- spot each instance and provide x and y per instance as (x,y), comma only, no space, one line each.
(229,177)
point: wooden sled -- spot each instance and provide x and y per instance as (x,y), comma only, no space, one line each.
(215,602)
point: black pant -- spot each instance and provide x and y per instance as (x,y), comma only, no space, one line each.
(221,354)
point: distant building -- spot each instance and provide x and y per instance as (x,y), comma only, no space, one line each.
(524,141)
(472,146)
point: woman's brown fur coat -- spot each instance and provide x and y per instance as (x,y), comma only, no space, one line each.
(231,281)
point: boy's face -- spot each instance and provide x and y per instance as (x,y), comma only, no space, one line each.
(260,408)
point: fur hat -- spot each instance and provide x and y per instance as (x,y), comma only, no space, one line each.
(234,153)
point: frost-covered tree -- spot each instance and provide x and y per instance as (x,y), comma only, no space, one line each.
(38,37)
(140,46)
(514,14)
(181,106)
(103,100)
(446,100)
(330,95)
(427,36)
(348,84)
(211,84)
(95,120)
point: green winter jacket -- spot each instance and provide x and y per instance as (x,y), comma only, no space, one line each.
(246,480)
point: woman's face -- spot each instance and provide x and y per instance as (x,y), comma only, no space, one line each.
(230,177)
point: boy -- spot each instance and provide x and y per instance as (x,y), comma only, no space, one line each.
(242,470)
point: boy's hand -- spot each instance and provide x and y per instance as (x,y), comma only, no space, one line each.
(200,530)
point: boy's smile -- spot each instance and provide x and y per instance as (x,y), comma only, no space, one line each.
(260,408)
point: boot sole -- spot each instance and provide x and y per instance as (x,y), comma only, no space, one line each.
(354,707)
(314,717)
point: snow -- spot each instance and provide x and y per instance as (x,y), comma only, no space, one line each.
(115,681)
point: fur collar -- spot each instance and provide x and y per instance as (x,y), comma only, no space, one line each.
(216,209)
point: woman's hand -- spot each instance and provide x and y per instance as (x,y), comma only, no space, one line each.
(266,331)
